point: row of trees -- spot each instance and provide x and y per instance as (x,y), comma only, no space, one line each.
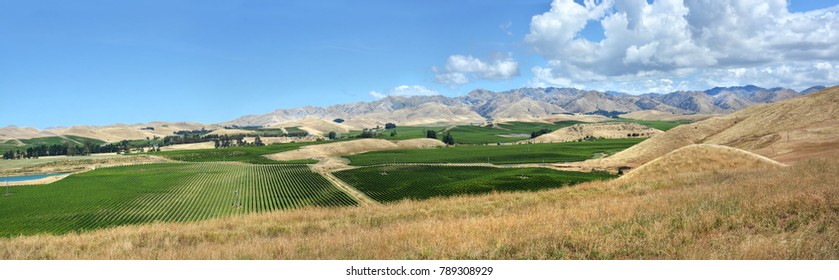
(448,139)
(187,139)
(202,131)
(67,150)
(540,132)
(125,146)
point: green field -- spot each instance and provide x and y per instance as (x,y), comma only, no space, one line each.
(466,134)
(660,125)
(248,154)
(394,183)
(499,154)
(12,145)
(403,132)
(173,192)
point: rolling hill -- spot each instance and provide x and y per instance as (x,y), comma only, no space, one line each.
(699,158)
(787,131)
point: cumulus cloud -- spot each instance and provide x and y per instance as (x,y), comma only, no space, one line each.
(743,41)
(460,69)
(404,90)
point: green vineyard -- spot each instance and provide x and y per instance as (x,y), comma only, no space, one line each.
(248,154)
(397,182)
(498,154)
(172,192)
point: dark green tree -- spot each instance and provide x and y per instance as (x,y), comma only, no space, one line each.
(431,134)
(448,139)
(332,135)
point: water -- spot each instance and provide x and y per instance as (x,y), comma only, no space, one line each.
(28,177)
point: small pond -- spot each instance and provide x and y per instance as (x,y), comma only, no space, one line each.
(27,177)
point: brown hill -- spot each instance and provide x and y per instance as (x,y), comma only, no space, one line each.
(118,132)
(15,132)
(596,130)
(316,126)
(787,131)
(655,115)
(427,114)
(700,158)
(225,131)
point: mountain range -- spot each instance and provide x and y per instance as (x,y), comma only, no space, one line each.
(525,103)
(478,106)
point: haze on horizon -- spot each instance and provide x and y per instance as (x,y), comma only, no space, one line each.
(96,63)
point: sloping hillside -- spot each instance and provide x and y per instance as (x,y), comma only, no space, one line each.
(786,131)
(316,126)
(700,158)
(596,130)
(118,132)
(15,132)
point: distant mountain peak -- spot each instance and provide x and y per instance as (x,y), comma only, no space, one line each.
(531,102)
(748,88)
(813,89)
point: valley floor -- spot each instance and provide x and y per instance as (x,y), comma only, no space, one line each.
(784,213)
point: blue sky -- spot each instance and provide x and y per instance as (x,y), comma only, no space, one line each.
(66,63)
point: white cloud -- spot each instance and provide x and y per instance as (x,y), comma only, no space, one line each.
(404,90)
(505,27)
(459,69)
(747,41)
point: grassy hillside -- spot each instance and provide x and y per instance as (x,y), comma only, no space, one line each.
(660,125)
(701,158)
(13,145)
(394,183)
(786,131)
(503,154)
(786,213)
(162,192)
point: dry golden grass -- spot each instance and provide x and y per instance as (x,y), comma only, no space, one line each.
(786,131)
(225,131)
(190,146)
(783,213)
(597,130)
(315,126)
(655,115)
(700,158)
(118,132)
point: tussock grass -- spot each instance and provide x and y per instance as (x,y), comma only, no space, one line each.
(700,158)
(782,213)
